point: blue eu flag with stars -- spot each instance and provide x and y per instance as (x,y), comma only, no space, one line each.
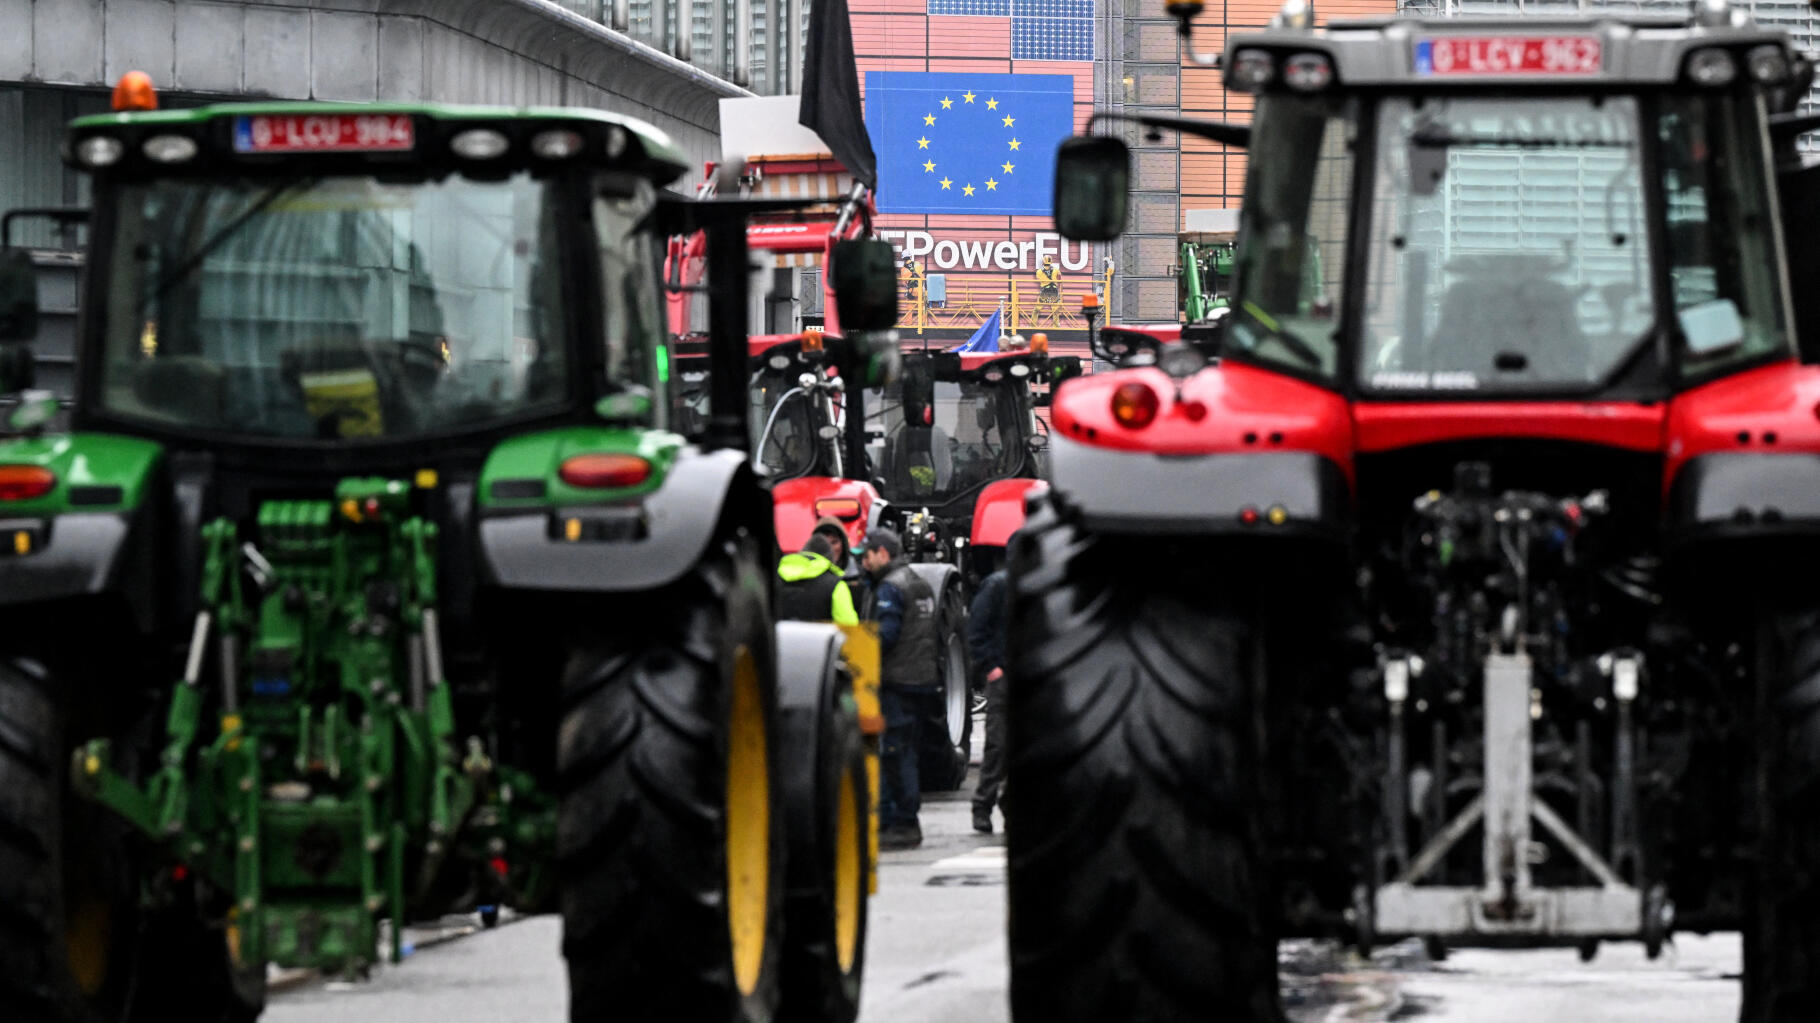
(953,142)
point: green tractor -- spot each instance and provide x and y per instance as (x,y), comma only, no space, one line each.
(372,584)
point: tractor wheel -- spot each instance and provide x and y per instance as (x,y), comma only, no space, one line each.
(946,737)
(73,945)
(670,840)
(1136,887)
(826,802)
(1782,929)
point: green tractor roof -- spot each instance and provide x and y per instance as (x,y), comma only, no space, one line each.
(313,138)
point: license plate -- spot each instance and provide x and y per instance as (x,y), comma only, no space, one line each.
(324,133)
(1509,55)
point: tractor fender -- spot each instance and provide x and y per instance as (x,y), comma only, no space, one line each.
(1737,494)
(637,545)
(1203,494)
(794,508)
(999,512)
(938,574)
(74,555)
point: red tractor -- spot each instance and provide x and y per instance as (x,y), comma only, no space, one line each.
(1467,595)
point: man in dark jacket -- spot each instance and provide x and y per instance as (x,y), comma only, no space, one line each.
(811,588)
(909,684)
(986,641)
(828,526)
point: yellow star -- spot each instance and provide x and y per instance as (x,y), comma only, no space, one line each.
(947,104)
(928,118)
(1009,120)
(928,165)
(991,185)
(992,104)
(966,189)
(1014,143)
(1007,168)
(922,143)
(945,184)
(968,96)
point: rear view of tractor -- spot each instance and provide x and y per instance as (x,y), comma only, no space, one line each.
(371,584)
(1456,585)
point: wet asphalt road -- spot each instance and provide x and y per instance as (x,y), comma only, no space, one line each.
(936,954)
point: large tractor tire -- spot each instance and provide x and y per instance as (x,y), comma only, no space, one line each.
(946,736)
(670,834)
(1136,880)
(826,804)
(1782,929)
(73,945)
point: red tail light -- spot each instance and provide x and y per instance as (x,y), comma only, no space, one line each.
(1134,405)
(24,482)
(604,472)
(839,507)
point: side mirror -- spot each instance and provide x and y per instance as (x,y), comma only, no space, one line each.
(865,284)
(18,296)
(1092,188)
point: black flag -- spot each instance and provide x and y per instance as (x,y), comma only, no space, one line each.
(831,106)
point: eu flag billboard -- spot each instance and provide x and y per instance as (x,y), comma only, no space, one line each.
(954,142)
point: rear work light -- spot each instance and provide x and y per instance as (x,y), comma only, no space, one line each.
(1307,72)
(604,472)
(839,507)
(556,144)
(1712,68)
(169,148)
(480,144)
(100,151)
(25,482)
(1252,70)
(1134,405)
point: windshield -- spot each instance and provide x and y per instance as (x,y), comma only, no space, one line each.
(1290,266)
(1508,244)
(791,446)
(334,308)
(976,433)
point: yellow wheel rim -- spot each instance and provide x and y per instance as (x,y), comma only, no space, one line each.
(847,893)
(748,824)
(88,935)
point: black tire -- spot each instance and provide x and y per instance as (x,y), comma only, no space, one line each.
(826,801)
(945,740)
(1782,928)
(1136,887)
(657,718)
(66,868)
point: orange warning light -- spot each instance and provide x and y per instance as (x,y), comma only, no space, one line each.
(135,92)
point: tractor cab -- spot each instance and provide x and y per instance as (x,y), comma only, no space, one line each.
(1496,208)
(952,425)
(1503,449)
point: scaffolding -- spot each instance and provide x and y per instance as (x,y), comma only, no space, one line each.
(1028,303)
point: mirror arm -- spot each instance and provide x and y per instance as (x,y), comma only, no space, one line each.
(1184,27)
(1225,133)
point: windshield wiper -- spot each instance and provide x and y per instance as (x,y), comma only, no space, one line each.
(216,240)
(1273,332)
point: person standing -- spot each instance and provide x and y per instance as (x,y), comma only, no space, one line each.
(811,588)
(830,527)
(909,684)
(986,642)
